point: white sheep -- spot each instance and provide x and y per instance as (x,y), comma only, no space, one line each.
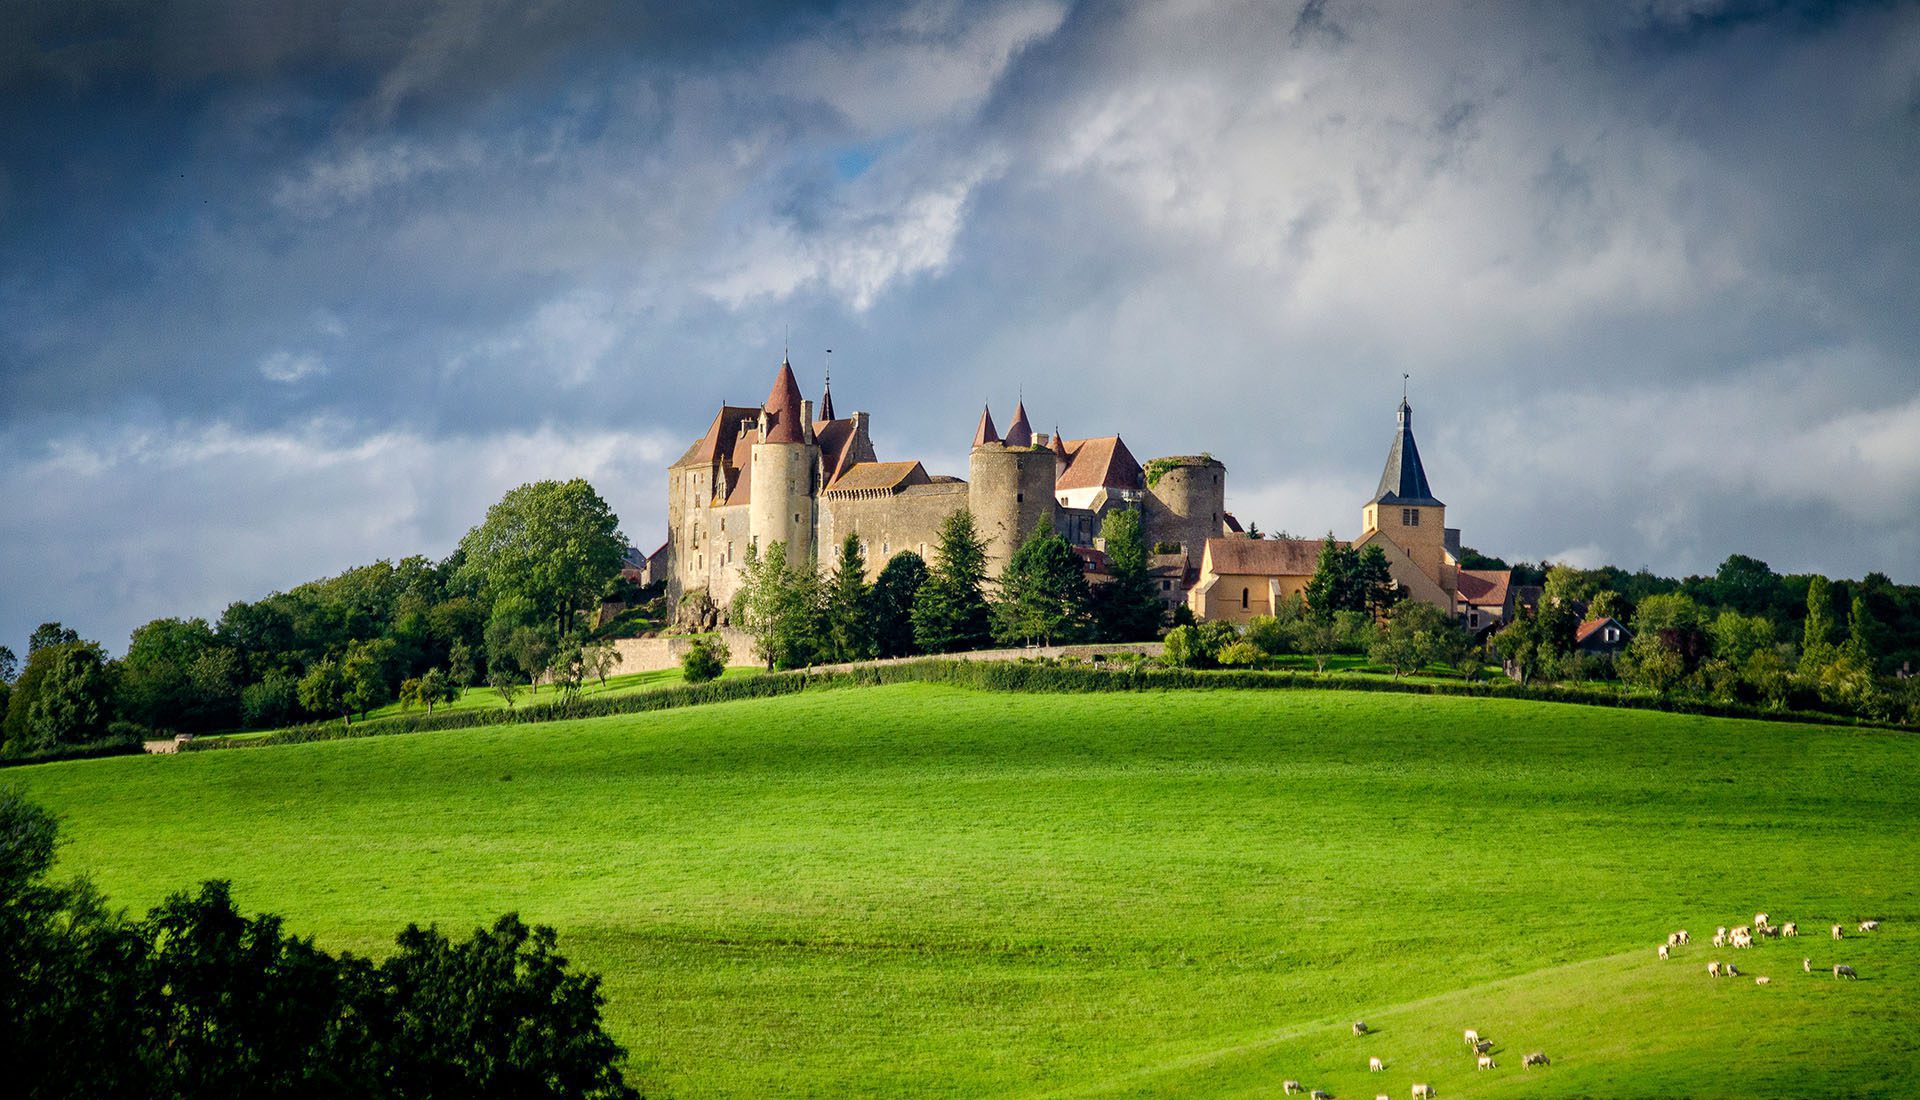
(1742,938)
(1759,920)
(1844,971)
(1423,1092)
(1486,1061)
(1790,929)
(1719,939)
(1720,931)
(1383,1096)
(1838,932)
(1731,971)
(1684,938)
(1713,970)
(1663,952)
(1806,965)
(1537,1058)
(1375,1065)
(1289,1087)
(1763,980)
(1471,1036)
(1869,925)
(1359,1027)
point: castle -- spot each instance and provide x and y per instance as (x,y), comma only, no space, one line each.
(788,472)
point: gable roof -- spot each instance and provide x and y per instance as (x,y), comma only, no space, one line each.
(1404,480)
(1592,626)
(1099,463)
(879,475)
(836,439)
(1264,557)
(1484,587)
(721,435)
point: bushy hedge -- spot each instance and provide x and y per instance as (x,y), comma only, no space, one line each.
(109,746)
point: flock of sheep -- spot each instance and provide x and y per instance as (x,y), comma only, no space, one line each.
(1481,1048)
(1742,937)
(1737,938)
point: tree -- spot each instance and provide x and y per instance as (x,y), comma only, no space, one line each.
(951,613)
(323,690)
(363,675)
(500,677)
(272,701)
(1860,645)
(1126,607)
(761,598)
(430,687)
(1042,592)
(48,635)
(599,659)
(156,687)
(849,606)
(1737,637)
(460,668)
(1816,636)
(894,594)
(1527,645)
(567,668)
(1418,634)
(65,697)
(704,660)
(554,543)
(1346,579)
(532,650)
(9,665)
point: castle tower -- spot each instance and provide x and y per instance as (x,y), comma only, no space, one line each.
(1009,487)
(782,495)
(1187,502)
(1404,509)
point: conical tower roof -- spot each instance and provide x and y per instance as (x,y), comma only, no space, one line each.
(826,399)
(1058,444)
(1404,481)
(783,409)
(986,432)
(1020,434)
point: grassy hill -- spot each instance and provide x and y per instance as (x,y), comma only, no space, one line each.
(928,890)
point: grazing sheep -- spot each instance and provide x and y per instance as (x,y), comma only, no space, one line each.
(1763,980)
(1742,939)
(1790,929)
(1838,932)
(1290,1087)
(1423,1092)
(1486,1061)
(1759,920)
(1673,939)
(1359,1027)
(1719,939)
(1713,970)
(1375,1065)
(1720,931)
(1731,971)
(1844,971)
(1684,938)
(1869,925)
(1806,965)
(1319,1094)
(1537,1058)
(1483,1046)
(1383,1096)
(1471,1036)
(1663,952)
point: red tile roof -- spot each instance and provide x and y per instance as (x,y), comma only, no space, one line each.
(836,439)
(986,432)
(1591,627)
(783,408)
(1264,557)
(879,475)
(1102,462)
(1020,433)
(1484,587)
(718,443)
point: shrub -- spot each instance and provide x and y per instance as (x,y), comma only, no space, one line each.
(704,660)
(1239,654)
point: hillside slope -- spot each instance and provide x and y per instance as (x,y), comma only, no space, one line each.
(918,889)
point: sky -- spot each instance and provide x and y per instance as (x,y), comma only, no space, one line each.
(290,288)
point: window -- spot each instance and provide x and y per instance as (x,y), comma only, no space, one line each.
(1019,498)
(1243,599)
(1613,634)
(1166,586)
(796,517)
(1409,517)
(1473,618)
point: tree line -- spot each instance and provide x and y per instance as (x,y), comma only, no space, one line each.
(505,608)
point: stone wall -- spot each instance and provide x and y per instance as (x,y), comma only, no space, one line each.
(654,654)
(906,520)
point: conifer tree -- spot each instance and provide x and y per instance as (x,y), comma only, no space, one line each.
(1043,592)
(849,606)
(1816,637)
(894,594)
(951,612)
(1127,607)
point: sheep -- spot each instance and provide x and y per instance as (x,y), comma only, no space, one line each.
(1423,1092)
(1731,971)
(1375,1065)
(1663,952)
(1869,925)
(1759,920)
(1844,971)
(1806,965)
(1673,939)
(1790,929)
(1486,1061)
(1537,1058)
(1383,1096)
(1359,1027)
(1763,980)
(1720,931)
(1319,1094)
(1471,1036)
(1838,932)
(1719,939)
(1713,970)
(1290,1087)
(1742,938)
(1684,938)
(1483,1046)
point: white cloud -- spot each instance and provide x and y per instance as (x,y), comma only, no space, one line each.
(289,367)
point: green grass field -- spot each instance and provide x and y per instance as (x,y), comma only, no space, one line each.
(926,890)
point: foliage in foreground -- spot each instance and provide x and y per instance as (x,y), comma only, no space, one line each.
(198,1000)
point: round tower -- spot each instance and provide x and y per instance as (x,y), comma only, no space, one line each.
(1186,501)
(1009,490)
(781,492)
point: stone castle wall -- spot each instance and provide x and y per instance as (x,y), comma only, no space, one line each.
(907,520)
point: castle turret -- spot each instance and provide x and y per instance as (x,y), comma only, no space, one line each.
(782,497)
(1186,501)
(1009,488)
(1404,508)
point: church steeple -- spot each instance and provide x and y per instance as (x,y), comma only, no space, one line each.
(1404,480)
(826,398)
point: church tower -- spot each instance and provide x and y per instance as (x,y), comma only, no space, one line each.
(782,494)
(1404,509)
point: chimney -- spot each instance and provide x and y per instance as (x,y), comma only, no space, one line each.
(806,420)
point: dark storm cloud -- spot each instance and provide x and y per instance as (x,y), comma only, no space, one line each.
(286,287)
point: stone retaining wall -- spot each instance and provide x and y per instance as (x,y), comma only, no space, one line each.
(654,654)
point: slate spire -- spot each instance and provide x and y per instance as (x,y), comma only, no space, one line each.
(826,399)
(1404,480)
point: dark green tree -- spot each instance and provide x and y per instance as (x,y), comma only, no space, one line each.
(65,697)
(704,660)
(1127,607)
(951,613)
(555,543)
(894,594)
(47,635)
(1042,593)
(323,690)
(849,606)
(1345,579)
(460,667)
